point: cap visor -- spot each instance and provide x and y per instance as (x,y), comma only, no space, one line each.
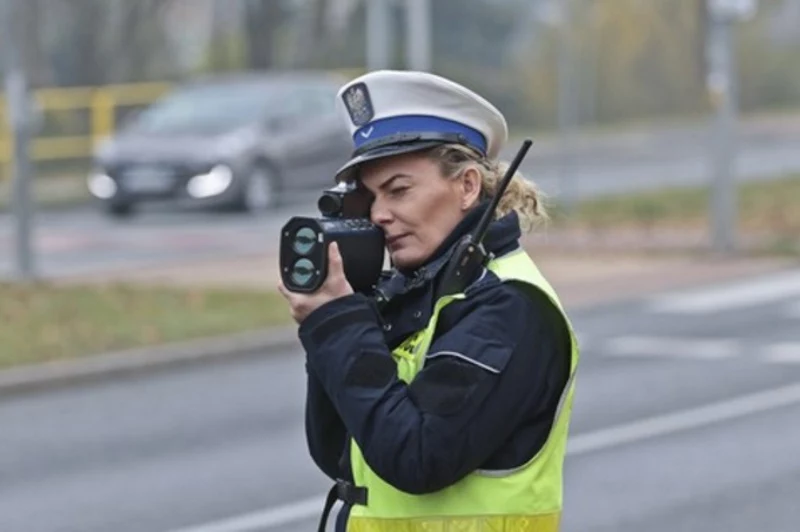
(379,153)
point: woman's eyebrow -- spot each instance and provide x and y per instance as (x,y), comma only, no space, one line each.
(392,179)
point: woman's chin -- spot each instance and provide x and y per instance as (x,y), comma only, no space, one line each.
(406,259)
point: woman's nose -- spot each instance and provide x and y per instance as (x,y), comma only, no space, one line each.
(379,214)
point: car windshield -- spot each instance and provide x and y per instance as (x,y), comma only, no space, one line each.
(209,109)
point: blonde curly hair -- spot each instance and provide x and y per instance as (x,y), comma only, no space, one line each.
(521,195)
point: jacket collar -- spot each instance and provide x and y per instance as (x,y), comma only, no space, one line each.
(501,237)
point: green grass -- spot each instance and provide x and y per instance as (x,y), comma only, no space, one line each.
(41,321)
(51,191)
(768,207)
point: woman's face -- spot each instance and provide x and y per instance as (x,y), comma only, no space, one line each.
(415,205)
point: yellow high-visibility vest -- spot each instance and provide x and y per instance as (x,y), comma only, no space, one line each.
(525,499)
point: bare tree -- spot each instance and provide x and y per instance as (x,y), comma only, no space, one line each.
(103,41)
(263,18)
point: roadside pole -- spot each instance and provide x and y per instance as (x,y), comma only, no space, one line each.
(722,83)
(418,34)
(380,37)
(567,105)
(18,111)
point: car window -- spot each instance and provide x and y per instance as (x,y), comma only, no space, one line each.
(209,109)
(216,108)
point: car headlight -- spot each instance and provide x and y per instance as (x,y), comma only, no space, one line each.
(212,183)
(101,185)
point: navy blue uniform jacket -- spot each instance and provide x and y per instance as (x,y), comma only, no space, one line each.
(485,398)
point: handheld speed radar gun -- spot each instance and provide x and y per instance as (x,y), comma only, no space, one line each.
(345,220)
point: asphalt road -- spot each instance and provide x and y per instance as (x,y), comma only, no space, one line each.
(685,419)
(83,241)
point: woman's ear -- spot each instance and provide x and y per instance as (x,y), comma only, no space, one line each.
(470,187)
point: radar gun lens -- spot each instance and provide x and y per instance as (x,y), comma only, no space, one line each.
(304,240)
(303,272)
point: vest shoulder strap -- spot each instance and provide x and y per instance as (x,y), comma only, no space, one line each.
(518,266)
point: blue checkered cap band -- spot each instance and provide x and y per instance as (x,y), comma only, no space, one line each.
(385,104)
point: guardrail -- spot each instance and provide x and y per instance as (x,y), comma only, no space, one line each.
(102,104)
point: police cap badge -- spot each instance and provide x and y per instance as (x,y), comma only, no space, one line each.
(358,103)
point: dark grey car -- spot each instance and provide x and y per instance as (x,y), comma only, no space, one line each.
(242,141)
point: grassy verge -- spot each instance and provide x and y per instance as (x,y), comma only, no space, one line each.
(767,208)
(50,192)
(42,322)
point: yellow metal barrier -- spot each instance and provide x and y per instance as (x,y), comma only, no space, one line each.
(101,102)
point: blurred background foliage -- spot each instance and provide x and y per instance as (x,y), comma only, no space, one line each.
(637,59)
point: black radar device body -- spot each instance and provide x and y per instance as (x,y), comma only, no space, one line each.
(345,220)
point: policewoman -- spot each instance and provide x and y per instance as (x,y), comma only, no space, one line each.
(437,414)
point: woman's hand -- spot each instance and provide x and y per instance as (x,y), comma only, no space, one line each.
(334,287)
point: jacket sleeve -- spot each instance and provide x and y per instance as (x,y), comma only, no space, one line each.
(491,370)
(325,432)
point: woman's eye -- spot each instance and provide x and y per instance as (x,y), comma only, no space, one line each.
(398,191)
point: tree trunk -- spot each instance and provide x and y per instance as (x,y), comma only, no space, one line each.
(262,20)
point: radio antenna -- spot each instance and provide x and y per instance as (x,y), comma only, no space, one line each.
(480,230)
(469,255)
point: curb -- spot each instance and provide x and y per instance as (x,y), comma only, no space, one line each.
(138,361)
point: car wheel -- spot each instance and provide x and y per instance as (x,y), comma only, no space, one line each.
(262,190)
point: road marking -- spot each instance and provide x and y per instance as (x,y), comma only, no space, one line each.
(274,517)
(280,516)
(694,348)
(793,310)
(785,353)
(743,294)
(684,420)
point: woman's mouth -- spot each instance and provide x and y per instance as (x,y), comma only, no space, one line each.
(393,242)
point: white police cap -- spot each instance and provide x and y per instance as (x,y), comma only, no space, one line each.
(390,112)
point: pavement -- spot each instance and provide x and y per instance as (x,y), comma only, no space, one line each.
(684,420)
